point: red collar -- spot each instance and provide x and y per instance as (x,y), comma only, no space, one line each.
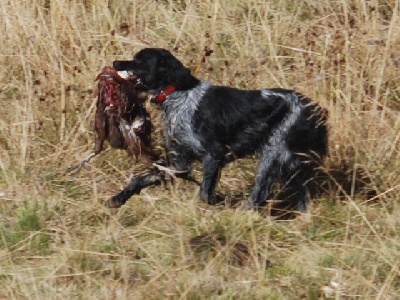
(160,97)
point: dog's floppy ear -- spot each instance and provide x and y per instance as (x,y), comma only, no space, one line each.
(177,76)
(172,70)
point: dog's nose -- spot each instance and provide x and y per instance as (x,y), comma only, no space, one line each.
(118,65)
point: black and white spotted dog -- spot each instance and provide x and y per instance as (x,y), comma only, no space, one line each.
(217,124)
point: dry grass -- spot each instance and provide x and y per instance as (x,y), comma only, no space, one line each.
(57,241)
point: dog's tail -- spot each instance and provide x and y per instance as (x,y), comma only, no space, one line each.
(309,134)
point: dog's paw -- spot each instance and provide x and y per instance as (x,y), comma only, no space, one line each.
(112,203)
(213,199)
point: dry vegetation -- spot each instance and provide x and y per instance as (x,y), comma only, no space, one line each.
(57,241)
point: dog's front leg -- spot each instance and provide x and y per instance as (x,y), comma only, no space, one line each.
(155,177)
(211,173)
(179,159)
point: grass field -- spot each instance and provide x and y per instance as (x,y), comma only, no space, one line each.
(57,240)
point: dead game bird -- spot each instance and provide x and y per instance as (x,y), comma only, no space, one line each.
(121,118)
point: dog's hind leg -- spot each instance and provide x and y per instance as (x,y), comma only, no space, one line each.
(264,180)
(267,173)
(274,162)
(295,191)
(295,195)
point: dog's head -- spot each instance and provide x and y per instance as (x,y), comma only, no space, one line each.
(157,68)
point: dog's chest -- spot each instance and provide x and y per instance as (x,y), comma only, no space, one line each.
(179,110)
(179,129)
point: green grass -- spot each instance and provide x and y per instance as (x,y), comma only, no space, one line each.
(27,232)
(57,240)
